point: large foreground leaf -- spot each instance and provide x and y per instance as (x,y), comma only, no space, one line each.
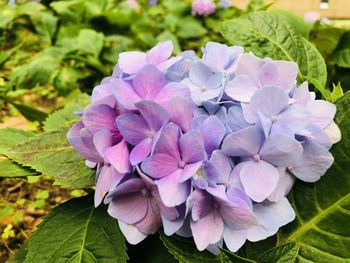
(10,169)
(8,138)
(323,209)
(272,35)
(51,154)
(184,250)
(77,232)
(341,56)
(285,253)
(66,116)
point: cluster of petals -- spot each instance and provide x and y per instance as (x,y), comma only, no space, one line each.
(205,147)
(203,7)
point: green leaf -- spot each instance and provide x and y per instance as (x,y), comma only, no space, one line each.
(9,137)
(301,26)
(271,35)
(253,250)
(184,250)
(7,14)
(37,71)
(77,232)
(30,8)
(95,8)
(114,45)
(66,116)
(45,25)
(69,11)
(326,39)
(267,6)
(19,255)
(342,58)
(42,194)
(286,253)
(255,5)
(322,209)
(67,79)
(90,41)
(337,92)
(121,15)
(51,154)
(190,28)
(234,258)
(11,169)
(30,113)
(5,55)
(341,55)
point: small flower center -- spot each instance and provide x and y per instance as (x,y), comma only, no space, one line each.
(256,157)
(182,164)
(274,118)
(216,206)
(199,173)
(144,192)
(203,88)
(150,134)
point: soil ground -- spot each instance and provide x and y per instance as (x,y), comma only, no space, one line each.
(22,207)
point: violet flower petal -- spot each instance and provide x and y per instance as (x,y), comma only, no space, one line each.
(259,179)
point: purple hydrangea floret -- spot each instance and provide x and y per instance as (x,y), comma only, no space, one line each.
(206,146)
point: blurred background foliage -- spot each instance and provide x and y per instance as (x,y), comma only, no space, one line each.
(52,51)
(53,48)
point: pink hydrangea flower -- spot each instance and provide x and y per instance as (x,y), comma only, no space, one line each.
(203,7)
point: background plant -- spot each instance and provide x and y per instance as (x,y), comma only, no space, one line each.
(57,51)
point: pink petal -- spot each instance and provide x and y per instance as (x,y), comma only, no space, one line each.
(207,230)
(172,192)
(259,179)
(131,233)
(107,178)
(141,151)
(285,183)
(153,113)
(152,221)
(280,74)
(131,62)
(245,142)
(118,157)
(322,112)
(241,88)
(159,165)
(234,239)
(281,150)
(168,142)
(192,147)
(102,140)
(181,111)
(161,52)
(130,209)
(148,82)
(126,95)
(133,127)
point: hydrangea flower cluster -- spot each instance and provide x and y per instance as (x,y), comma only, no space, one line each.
(205,147)
(203,7)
